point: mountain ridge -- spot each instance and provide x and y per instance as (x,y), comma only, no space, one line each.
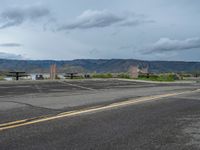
(98,65)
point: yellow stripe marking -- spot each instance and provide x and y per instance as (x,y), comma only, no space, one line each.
(11,123)
(25,122)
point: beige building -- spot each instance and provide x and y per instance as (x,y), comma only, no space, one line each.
(135,71)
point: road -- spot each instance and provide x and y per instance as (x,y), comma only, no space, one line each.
(125,116)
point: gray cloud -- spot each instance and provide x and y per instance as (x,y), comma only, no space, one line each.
(132,19)
(10,45)
(10,56)
(166,44)
(99,19)
(16,16)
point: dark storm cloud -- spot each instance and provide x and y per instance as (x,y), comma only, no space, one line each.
(166,44)
(10,56)
(10,45)
(16,16)
(100,19)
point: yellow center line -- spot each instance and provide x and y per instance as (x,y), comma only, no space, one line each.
(11,123)
(40,119)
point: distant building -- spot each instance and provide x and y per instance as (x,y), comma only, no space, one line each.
(135,71)
(144,70)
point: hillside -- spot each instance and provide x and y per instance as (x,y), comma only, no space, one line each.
(97,65)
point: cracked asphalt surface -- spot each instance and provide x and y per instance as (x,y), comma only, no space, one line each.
(169,123)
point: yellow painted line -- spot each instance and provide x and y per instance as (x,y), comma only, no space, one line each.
(69,112)
(12,123)
(22,121)
(91,110)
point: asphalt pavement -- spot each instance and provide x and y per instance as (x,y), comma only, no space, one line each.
(108,115)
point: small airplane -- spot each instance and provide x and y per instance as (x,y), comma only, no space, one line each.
(71,75)
(17,74)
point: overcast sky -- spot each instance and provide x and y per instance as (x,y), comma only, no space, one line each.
(100,29)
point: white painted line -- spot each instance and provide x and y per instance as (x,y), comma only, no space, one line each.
(75,85)
(130,86)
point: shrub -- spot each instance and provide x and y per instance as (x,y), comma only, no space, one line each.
(123,75)
(1,78)
(103,75)
(150,77)
(161,77)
